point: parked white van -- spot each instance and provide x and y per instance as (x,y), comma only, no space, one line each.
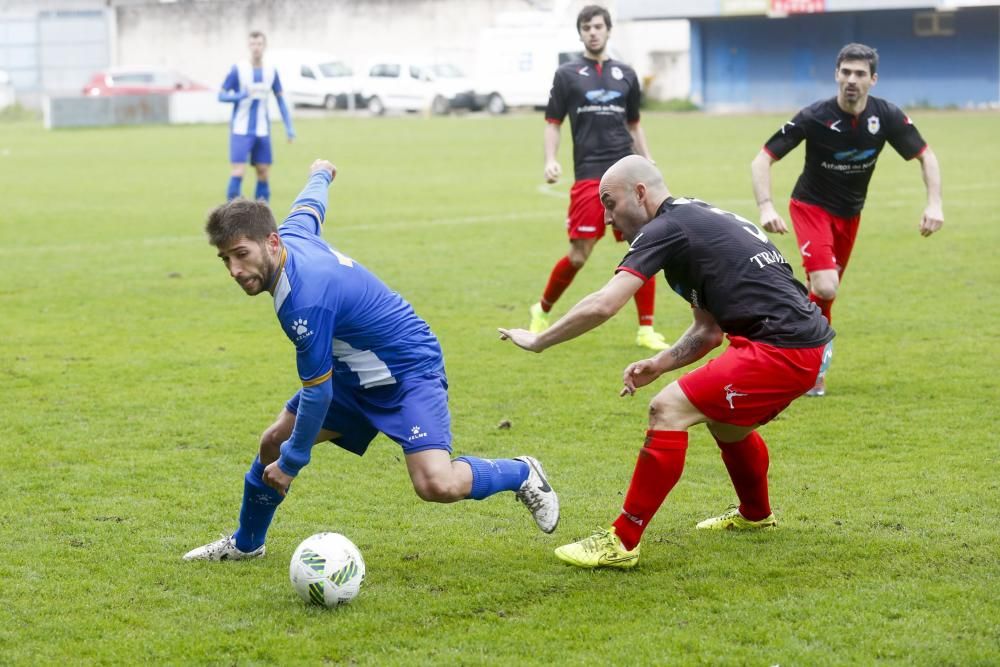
(397,84)
(315,78)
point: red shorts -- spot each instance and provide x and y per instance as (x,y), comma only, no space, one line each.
(825,240)
(585,219)
(750,383)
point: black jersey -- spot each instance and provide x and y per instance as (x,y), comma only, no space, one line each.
(841,150)
(601,100)
(726,265)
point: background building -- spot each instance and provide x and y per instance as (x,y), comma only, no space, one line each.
(51,47)
(779,54)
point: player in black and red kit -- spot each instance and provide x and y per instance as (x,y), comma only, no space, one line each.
(739,286)
(844,136)
(601,98)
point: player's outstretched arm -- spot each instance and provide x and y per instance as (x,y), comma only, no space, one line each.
(760,176)
(592,311)
(703,336)
(311,202)
(933,216)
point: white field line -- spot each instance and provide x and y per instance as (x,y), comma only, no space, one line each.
(333,229)
(520,216)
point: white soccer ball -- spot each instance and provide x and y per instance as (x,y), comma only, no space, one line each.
(327,569)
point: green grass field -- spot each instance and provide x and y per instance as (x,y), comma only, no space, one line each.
(136,378)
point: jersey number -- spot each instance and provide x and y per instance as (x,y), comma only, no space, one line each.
(748,226)
(342,258)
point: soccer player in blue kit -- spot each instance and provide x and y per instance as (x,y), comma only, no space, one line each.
(247,86)
(367,363)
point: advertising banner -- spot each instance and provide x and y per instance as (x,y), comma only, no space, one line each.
(786,7)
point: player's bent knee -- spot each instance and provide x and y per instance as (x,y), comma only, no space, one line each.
(661,410)
(273,436)
(670,410)
(825,291)
(437,489)
(824,284)
(270,446)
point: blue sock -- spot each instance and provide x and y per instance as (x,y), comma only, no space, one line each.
(235,182)
(263,191)
(491,476)
(259,503)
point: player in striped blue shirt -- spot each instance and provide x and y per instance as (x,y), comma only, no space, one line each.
(367,363)
(247,86)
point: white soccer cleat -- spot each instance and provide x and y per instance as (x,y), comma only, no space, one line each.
(538,496)
(224,549)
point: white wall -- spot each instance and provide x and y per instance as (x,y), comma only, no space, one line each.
(658,50)
(203,39)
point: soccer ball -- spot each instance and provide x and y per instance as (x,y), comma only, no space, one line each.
(327,569)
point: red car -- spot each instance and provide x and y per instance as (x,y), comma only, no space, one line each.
(139,81)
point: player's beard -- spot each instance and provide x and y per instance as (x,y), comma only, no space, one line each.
(595,55)
(260,281)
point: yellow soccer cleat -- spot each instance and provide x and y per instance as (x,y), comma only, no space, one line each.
(650,339)
(539,319)
(731,519)
(602,549)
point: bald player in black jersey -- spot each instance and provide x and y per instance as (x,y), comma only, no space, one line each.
(739,287)
(844,136)
(601,97)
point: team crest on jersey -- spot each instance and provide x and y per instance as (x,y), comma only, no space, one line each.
(873,124)
(616,73)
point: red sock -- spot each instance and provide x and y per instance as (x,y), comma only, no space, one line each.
(645,302)
(660,464)
(824,305)
(561,277)
(747,462)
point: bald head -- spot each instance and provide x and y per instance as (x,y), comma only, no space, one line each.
(633,169)
(632,191)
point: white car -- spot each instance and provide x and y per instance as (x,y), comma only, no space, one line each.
(454,90)
(314,78)
(397,84)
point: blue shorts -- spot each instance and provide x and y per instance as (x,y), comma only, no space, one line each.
(243,145)
(413,412)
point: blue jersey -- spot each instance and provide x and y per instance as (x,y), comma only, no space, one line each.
(349,329)
(343,320)
(250,115)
